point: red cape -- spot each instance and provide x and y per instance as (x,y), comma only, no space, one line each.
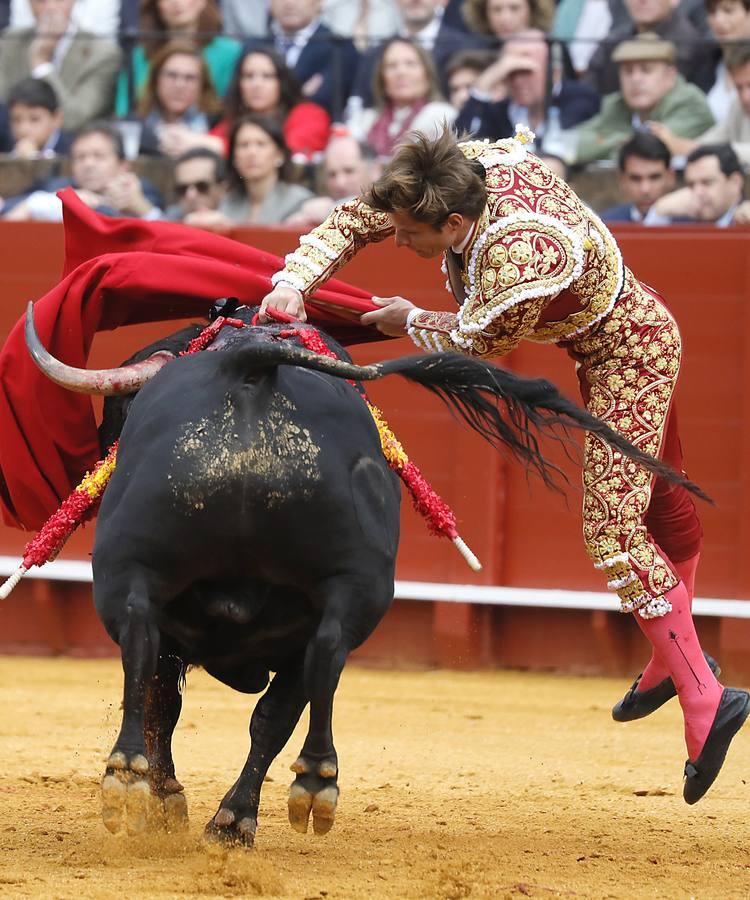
(120,272)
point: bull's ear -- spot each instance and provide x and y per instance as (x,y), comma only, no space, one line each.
(224,306)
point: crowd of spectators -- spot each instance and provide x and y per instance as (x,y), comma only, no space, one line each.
(271,112)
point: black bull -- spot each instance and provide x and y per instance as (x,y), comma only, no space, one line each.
(251,527)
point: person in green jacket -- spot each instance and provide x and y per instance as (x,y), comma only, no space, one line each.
(161,21)
(651,90)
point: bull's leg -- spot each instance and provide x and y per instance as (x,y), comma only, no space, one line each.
(347,620)
(272,722)
(126,792)
(163,707)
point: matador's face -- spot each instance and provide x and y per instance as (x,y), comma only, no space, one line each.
(423,239)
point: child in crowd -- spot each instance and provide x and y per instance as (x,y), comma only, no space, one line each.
(36,119)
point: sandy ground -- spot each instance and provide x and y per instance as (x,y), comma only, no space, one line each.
(498,785)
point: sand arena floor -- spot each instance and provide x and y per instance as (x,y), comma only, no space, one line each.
(501,785)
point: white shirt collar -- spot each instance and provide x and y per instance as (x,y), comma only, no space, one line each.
(298,37)
(63,45)
(459,248)
(428,35)
(297,41)
(726,220)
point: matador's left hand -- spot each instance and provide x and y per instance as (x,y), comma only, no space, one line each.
(391,319)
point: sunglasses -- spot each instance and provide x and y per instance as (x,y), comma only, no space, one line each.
(202,187)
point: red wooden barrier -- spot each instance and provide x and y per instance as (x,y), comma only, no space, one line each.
(524,535)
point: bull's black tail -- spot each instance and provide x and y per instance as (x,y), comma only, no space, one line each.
(507,410)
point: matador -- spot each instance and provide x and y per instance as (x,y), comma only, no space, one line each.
(526,260)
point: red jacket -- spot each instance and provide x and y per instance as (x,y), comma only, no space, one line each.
(306,130)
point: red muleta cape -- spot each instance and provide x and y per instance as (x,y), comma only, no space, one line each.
(120,272)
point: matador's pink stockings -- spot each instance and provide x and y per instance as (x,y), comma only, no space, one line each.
(677,647)
(655,670)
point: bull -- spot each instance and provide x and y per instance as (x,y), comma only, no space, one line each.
(251,527)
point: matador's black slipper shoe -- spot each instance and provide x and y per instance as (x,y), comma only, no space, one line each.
(638,704)
(734,708)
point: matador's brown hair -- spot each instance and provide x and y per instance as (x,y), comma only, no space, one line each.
(429,180)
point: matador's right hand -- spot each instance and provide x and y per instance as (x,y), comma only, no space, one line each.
(285,299)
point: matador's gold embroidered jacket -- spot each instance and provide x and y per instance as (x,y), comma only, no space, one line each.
(539,266)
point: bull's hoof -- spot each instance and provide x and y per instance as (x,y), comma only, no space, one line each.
(174,812)
(229,829)
(132,805)
(314,795)
(126,803)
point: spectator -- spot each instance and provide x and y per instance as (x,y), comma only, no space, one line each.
(245,18)
(730,24)
(179,104)
(199,185)
(349,167)
(651,90)
(260,188)
(322,61)
(366,21)
(714,188)
(407,98)
(501,19)
(645,175)
(81,67)
(363,20)
(462,71)
(423,22)
(581,25)
(101,17)
(36,120)
(695,59)
(101,176)
(734,127)
(265,85)
(521,72)
(198,21)
(694,10)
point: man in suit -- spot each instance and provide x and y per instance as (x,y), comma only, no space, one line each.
(520,77)
(422,21)
(81,67)
(644,175)
(322,61)
(714,188)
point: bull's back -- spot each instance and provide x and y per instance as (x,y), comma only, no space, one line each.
(222,470)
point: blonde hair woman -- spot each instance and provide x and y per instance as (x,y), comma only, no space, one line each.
(407,99)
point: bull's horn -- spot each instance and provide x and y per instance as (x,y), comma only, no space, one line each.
(106,382)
